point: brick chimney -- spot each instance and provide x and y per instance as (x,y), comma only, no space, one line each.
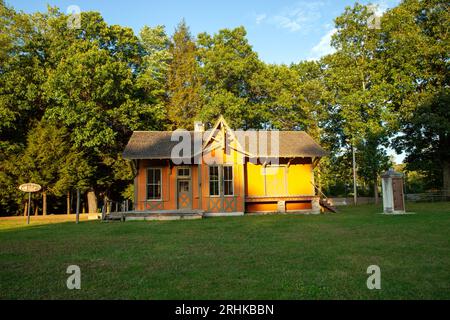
(199,126)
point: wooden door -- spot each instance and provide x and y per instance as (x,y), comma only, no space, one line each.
(184,194)
(397,190)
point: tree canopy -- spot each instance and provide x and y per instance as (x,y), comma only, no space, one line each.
(71,97)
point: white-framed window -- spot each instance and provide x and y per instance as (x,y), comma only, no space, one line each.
(154,181)
(214,181)
(184,172)
(228,185)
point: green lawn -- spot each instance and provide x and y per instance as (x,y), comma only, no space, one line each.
(251,257)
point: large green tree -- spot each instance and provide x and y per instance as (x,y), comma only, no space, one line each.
(153,75)
(360,107)
(228,67)
(426,137)
(415,55)
(183,84)
(86,80)
(93,92)
(22,73)
(44,156)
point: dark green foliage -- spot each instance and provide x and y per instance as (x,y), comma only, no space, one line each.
(183,83)
(416,56)
(83,88)
(427,138)
(228,66)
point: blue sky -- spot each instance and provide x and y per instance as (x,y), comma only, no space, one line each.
(282,31)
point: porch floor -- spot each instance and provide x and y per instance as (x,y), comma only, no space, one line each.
(157,215)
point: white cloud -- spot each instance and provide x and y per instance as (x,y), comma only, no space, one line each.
(260,18)
(287,23)
(323,47)
(378,8)
(381,6)
(299,17)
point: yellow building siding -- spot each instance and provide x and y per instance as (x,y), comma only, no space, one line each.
(255,180)
(275,180)
(282,180)
(299,178)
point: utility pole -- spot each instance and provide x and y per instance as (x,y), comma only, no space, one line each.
(355,195)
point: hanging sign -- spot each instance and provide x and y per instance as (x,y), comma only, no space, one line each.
(30,187)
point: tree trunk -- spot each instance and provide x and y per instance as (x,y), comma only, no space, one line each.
(375,189)
(25,209)
(68,202)
(44,203)
(446,178)
(92,202)
(107,204)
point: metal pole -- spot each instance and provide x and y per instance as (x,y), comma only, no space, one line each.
(78,206)
(355,195)
(29,207)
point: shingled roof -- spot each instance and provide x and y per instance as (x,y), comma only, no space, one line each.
(291,144)
(158,145)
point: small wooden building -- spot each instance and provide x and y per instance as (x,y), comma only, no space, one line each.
(393,195)
(224,172)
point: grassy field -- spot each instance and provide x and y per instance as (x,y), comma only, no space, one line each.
(251,257)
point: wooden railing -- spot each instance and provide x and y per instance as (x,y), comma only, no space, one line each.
(319,191)
(113,208)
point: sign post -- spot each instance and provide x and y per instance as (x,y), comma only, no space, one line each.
(29,187)
(78,205)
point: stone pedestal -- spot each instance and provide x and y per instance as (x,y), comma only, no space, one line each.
(281,206)
(315,205)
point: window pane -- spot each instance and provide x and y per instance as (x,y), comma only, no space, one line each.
(214,188)
(226,188)
(153,183)
(184,172)
(227,173)
(158,192)
(149,176)
(214,181)
(228,180)
(157,176)
(150,191)
(214,173)
(183,186)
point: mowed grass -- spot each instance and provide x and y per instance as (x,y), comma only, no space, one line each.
(251,257)
(15,222)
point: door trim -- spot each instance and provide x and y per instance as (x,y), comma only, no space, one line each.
(189,180)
